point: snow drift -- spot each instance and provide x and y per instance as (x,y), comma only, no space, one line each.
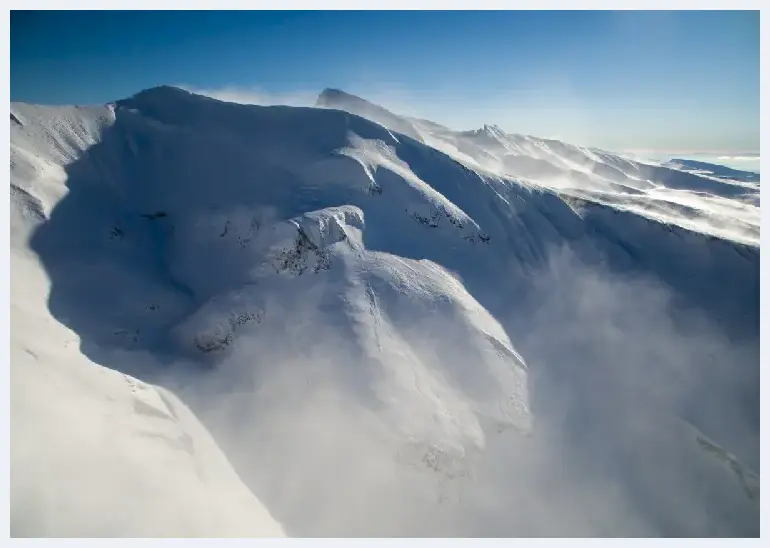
(389,328)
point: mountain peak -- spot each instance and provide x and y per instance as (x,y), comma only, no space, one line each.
(487,132)
(162,90)
(341,100)
(330,97)
(492,128)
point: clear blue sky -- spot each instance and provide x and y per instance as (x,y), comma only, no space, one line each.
(619,80)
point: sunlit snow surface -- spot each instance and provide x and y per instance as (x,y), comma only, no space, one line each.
(387,327)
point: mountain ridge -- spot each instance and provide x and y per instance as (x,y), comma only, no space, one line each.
(394,282)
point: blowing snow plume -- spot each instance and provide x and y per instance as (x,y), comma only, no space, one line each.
(383,337)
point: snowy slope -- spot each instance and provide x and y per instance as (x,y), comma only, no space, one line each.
(703,197)
(95,452)
(372,316)
(98,453)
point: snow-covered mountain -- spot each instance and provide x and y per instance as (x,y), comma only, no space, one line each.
(387,327)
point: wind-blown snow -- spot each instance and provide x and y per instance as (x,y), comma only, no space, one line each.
(388,327)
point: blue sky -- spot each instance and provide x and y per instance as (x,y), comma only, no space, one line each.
(684,81)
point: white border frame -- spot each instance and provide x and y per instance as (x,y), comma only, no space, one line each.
(370,5)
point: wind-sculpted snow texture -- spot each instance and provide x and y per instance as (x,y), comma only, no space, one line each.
(388,328)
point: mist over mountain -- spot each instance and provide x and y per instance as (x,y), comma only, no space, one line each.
(241,320)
